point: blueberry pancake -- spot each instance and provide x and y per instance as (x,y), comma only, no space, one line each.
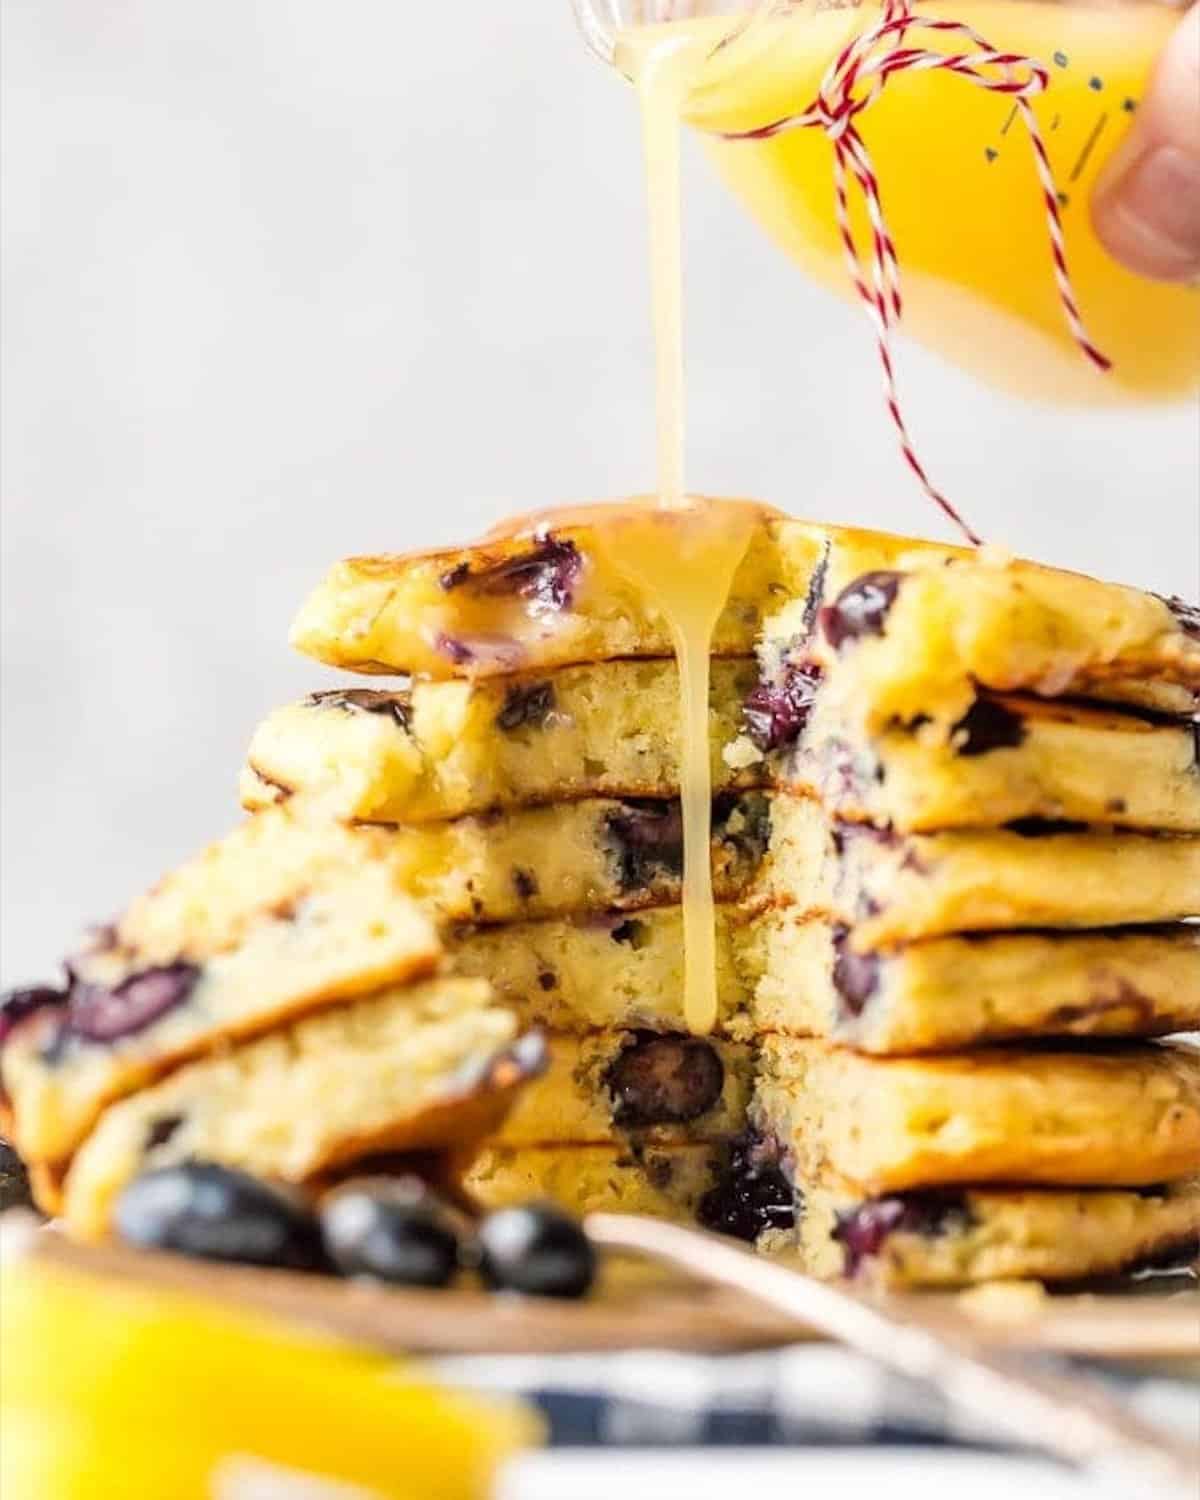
(894,888)
(1008,759)
(275,920)
(1112,1117)
(735,1187)
(952,1237)
(897,635)
(607,970)
(642,1087)
(406,1069)
(667,1182)
(952,992)
(442,749)
(552,597)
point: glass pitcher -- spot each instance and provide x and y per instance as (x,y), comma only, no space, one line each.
(957,174)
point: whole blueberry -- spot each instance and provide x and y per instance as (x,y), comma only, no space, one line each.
(100,1014)
(664,1079)
(215,1212)
(14,1180)
(646,840)
(17,1006)
(752,1193)
(537,1250)
(776,712)
(856,976)
(861,608)
(390,1230)
(862,1231)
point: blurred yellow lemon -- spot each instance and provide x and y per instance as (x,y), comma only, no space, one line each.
(107,1389)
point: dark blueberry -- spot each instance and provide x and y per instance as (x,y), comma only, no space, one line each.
(742,821)
(1186,613)
(988,725)
(860,609)
(218,1213)
(14,1180)
(647,840)
(536,1250)
(544,576)
(18,1005)
(397,706)
(457,651)
(100,1014)
(526,704)
(662,1080)
(1196,744)
(776,712)
(855,975)
(1043,828)
(503,652)
(751,1194)
(547,979)
(525,883)
(161,1130)
(863,1230)
(390,1230)
(631,931)
(57,1045)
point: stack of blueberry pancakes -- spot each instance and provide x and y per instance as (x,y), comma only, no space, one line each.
(964,799)
(955,841)
(976,785)
(984,846)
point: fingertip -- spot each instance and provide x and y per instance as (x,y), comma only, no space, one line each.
(1146,201)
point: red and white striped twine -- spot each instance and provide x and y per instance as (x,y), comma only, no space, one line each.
(852,83)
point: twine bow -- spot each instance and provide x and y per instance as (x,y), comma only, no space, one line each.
(852,83)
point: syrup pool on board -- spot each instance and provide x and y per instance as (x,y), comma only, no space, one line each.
(958,181)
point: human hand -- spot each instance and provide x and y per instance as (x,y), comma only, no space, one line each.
(1146,202)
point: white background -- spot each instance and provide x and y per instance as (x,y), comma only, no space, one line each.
(287,279)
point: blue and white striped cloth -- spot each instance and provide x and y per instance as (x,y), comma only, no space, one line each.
(806,1395)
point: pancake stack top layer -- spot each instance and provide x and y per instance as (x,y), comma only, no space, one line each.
(958,803)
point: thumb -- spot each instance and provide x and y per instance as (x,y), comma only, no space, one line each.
(1146,202)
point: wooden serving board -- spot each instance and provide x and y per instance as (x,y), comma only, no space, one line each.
(637,1305)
